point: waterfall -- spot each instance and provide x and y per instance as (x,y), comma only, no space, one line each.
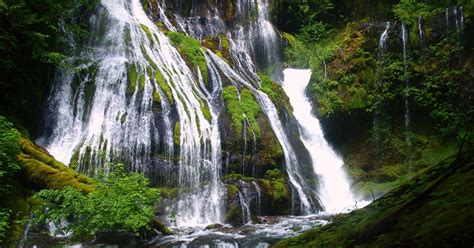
(383,41)
(245,210)
(406,94)
(307,195)
(421,33)
(334,189)
(140,83)
(407,80)
(258,199)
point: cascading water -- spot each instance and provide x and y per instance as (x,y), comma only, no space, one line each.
(383,41)
(307,195)
(334,189)
(407,86)
(136,66)
(421,32)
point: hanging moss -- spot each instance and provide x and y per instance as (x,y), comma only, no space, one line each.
(191,50)
(177,133)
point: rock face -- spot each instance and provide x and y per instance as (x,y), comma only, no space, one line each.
(173,90)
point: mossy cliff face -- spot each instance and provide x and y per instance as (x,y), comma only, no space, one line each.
(431,210)
(266,196)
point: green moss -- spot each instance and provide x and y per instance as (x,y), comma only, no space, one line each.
(168,193)
(148,32)
(132,78)
(123,118)
(177,133)
(225,42)
(205,111)
(276,191)
(74,163)
(232,191)
(156,97)
(247,106)
(142,83)
(191,49)
(42,170)
(275,93)
(431,210)
(162,83)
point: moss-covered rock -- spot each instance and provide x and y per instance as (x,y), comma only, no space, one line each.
(191,50)
(41,170)
(177,133)
(238,109)
(431,210)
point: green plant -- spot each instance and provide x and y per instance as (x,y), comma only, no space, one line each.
(119,202)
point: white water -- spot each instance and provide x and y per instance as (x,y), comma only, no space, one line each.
(136,140)
(383,41)
(421,32)
(407,81)
(334,189)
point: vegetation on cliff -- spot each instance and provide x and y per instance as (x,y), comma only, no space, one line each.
(31,48)
(430,210)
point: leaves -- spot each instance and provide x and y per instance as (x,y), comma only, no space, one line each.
(119,202)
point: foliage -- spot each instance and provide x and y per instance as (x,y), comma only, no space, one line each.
(119,202)
(4,222)
(32,45)
(240,106)
(432,209)
(9,149)
(191,49)
(275,93)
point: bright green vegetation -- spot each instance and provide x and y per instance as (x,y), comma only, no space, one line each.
(431,210)
(274,186)
(205,111)
(247,106)
(132,78)
(118,202)
(9,148)
(146,29)
(225,42)
(177,133)
(162,83)
(276,93)
(123,118)
(191,49)
(355,90)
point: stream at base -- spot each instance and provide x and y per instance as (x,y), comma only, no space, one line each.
(250,235)
(270,231)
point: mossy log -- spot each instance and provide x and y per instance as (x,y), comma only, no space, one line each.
(41,170)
